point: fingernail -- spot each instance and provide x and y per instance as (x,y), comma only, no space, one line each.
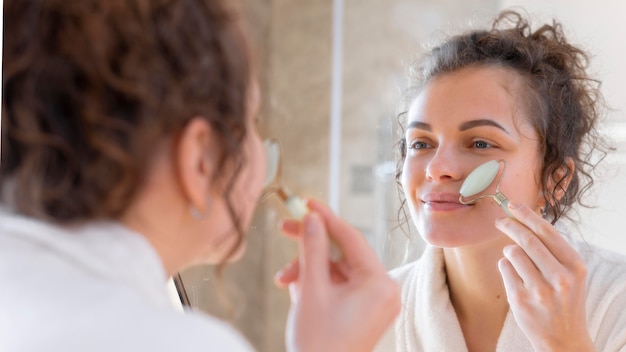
(507,249)
(502,224)
(279,279)
(289,225)
(279,274)
(311,226)
(288,267)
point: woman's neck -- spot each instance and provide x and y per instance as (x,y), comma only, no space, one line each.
(477,292)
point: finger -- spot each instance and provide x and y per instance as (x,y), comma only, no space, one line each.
(292,228)
(314,267)
(532,245)
(551,238)
(512,282)
(288,274)
(523,266)
(357,251)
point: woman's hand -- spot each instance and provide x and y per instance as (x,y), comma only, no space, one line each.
(336,306)
(544,278)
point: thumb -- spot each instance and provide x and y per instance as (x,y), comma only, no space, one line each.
(314,250)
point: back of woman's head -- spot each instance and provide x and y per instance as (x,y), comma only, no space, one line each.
(559,97)
(91,86)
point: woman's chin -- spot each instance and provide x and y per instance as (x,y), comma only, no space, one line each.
(447,238)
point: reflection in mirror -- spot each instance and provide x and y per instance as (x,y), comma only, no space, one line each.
(274,181)
(294,43)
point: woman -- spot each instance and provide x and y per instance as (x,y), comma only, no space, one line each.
(487,281)
(129,151)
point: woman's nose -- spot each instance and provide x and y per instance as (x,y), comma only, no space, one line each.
(444,166)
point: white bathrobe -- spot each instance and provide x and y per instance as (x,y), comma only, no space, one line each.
(428,321)
(93,288)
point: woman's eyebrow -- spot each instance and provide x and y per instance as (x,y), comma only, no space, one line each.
(481,122)
(462,127)
(420,125)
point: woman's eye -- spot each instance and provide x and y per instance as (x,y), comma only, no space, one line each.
(416,145)
(481,144)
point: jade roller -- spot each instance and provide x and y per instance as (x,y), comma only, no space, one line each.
(294,204)
(479,179)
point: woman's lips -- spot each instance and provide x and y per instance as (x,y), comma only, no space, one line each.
(436,201)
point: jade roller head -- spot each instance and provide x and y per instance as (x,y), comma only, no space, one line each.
(272,153)
(479,179)
(295,205)
(273,184)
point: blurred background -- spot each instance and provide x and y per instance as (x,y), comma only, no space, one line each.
(332,76)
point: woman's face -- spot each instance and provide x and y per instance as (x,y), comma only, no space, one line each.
(250,181)
(459,121)
(245,193)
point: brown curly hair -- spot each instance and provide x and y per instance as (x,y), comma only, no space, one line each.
(563,100)
(91,86)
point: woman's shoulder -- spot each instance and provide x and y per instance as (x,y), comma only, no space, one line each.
(602,263)
(201,331)
(606,272)
(606,296)
(111,324)
(152,328)
(147,328)
(606,275)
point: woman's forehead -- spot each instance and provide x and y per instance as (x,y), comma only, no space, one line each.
(471,93)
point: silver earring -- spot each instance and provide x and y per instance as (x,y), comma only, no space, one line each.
(544,211)
(199,215)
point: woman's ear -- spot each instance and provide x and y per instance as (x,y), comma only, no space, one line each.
(195,162)
(562,178)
